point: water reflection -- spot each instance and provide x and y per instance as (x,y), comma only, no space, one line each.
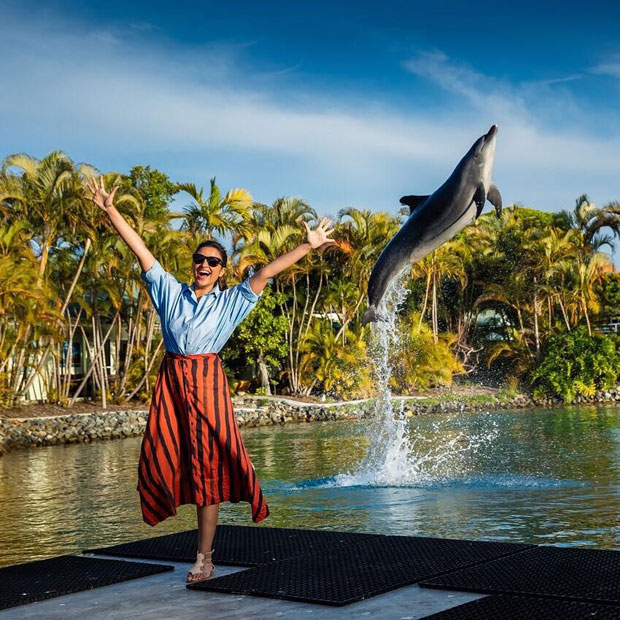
(547,477)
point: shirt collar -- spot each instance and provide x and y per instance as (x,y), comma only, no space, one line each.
(215,291)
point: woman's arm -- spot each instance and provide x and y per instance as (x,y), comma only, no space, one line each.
(316,239)
(104,200)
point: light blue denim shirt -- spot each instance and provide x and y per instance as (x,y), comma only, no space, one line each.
(191,325)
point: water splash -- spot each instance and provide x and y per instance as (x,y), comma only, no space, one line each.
(398,454)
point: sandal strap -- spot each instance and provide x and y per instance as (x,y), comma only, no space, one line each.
(203,563)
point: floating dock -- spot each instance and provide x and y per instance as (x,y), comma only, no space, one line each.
(264,572)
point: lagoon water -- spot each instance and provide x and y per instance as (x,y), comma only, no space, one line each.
(543,477)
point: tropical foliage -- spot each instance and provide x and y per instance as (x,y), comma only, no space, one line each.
(575,363)
(497,302)
(260,340)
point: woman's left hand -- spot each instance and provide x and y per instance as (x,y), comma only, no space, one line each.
(318,237)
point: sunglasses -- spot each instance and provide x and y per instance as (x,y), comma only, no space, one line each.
(212,261)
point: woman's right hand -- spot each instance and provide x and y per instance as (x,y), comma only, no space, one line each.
(100,197)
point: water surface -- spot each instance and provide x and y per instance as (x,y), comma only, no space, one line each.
(543,477)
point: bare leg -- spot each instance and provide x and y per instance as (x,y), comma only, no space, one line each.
(207,522)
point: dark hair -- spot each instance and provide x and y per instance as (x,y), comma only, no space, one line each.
(211,243)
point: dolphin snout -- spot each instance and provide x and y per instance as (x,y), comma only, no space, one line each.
(492,131)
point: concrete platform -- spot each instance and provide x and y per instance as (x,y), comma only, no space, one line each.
(165,597)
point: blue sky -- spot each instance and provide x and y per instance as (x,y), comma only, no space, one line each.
(342,103)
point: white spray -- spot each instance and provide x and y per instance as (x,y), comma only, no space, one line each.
(397,456)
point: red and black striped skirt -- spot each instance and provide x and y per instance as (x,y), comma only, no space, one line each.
(192,451)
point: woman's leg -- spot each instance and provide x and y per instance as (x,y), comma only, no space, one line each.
(207,522)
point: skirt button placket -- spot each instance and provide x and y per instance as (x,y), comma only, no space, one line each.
(192,423)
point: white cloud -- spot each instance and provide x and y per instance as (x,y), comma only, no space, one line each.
(529,139)
(120,90)
(610,67)
(111,86)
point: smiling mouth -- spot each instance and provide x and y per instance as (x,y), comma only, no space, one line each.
(204,274)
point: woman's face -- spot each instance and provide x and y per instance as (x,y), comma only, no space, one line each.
(206,275)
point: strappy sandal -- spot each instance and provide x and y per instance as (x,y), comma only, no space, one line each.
(203,568)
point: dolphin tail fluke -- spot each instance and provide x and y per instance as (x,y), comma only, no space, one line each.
(370,316)
(495,198)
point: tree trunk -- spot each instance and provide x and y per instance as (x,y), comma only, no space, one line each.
(68,367)
(93,360)
(3,329)
(434,310)
(428,288)
(69,371)
(264,375)
(564,312)
(585,311)
(9,357)
(103,366)
(117,352)
(146,372)
(316,298)
(18,369)
(302,318)
(62,311)
(349,319)
(56,369)
(292,367)
(131,333)
(536,334)
(45,246)
(149,338)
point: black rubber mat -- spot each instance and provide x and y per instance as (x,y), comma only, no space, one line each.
(237,545)
(43,579)
(526,608)
(345,574)
(586,575)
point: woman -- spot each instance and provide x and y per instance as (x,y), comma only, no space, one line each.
(192,451)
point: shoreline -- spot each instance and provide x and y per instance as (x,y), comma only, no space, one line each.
(17,432)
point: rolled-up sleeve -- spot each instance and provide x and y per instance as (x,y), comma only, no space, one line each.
(243,299)
(160,285)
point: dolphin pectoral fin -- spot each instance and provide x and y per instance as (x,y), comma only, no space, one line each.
(495,198)
(413,202)
(479,198)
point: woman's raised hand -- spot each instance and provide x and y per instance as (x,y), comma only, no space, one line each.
(318,237)
(100,197)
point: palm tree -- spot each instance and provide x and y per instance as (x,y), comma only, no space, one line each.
(361,236)
(214,214)
(556,251)
(592,220)
(46,193)
(444,262)
(66,231)
(506,273)
(273,230)
(19,295)
(587,272)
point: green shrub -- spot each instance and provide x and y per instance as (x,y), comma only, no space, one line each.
(419,362)
(575,363)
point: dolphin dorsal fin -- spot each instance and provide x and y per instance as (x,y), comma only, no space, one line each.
(413,202)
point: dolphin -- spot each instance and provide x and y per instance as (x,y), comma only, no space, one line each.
(435,219)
